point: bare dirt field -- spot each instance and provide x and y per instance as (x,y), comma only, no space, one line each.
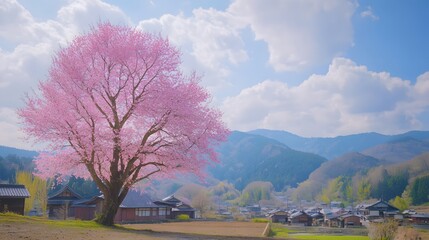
(236,229)
(18,227)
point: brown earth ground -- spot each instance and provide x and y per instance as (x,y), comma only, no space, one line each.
(18,227)
(236,229)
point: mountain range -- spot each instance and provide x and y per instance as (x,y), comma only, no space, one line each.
(289,160)
(333,147)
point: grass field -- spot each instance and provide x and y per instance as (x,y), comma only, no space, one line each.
(14,226)
(239,229)
(315,233)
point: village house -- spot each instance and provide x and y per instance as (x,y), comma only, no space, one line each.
(136,207)
(278,216)
(177,207)
(60,202)
(300,218)
(378,210)
(12,198)
(419,219)
(349,220)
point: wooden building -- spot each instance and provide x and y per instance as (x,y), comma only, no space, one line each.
(177,207)
(419,219)
(60,202)
(12,198)
(138,207)
(379,209)
(135,208)
(279,216)
(349,220)
(301,218)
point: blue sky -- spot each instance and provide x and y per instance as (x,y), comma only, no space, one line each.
(313,68)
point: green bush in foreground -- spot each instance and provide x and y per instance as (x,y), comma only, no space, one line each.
(183,217)
(260,220)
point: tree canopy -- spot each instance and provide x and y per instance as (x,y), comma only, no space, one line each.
(116,107)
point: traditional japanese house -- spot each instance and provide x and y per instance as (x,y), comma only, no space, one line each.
(60,202)
(300,217)
(380,209)
(12,198)
(349,220)
(419,219)
(279,216)
(177,207)
(135,208)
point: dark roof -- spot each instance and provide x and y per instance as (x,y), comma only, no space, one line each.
(75,195)
(136,199)
(297,214)
(171,199)
(420,216)
(280,212)
(342,217)
(382,205)
(13,191)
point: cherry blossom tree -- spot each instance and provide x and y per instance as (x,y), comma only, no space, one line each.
(116,107)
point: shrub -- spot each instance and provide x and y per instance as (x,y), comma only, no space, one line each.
(183,217)
(260,220)
(383,231)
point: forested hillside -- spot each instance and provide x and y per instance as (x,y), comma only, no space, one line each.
(246,157)
(347,165)
(393,166)
(11,164)
(333,147)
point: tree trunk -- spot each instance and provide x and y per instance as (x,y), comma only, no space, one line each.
(109,210)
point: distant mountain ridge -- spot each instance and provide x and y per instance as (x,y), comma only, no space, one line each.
(347,165)
(246,157)
(398,150)
(5,151)
(331,148)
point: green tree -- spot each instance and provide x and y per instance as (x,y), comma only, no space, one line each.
(37,188)
(399,203)
(391,186)
(255,192)
(364,190)
(338,189)
(420,190)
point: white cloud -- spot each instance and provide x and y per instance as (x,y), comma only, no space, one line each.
(81,14)
(369,13)
(299,34)
(27,49)
(348,99)
(11,134)
(209,39)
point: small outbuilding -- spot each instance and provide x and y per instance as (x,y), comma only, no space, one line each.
(177,207)
(349,220)
(279,216)
(301,218)
(12,198)
(420,219)
(60,202)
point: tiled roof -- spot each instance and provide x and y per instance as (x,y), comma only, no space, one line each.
(13,191)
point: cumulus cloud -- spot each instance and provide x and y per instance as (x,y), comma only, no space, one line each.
(299,34)
(348,99)
(11,134)
(369,13)
(209,39)
(28,45)
(81,14)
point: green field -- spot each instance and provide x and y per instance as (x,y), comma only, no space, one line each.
(279,231)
